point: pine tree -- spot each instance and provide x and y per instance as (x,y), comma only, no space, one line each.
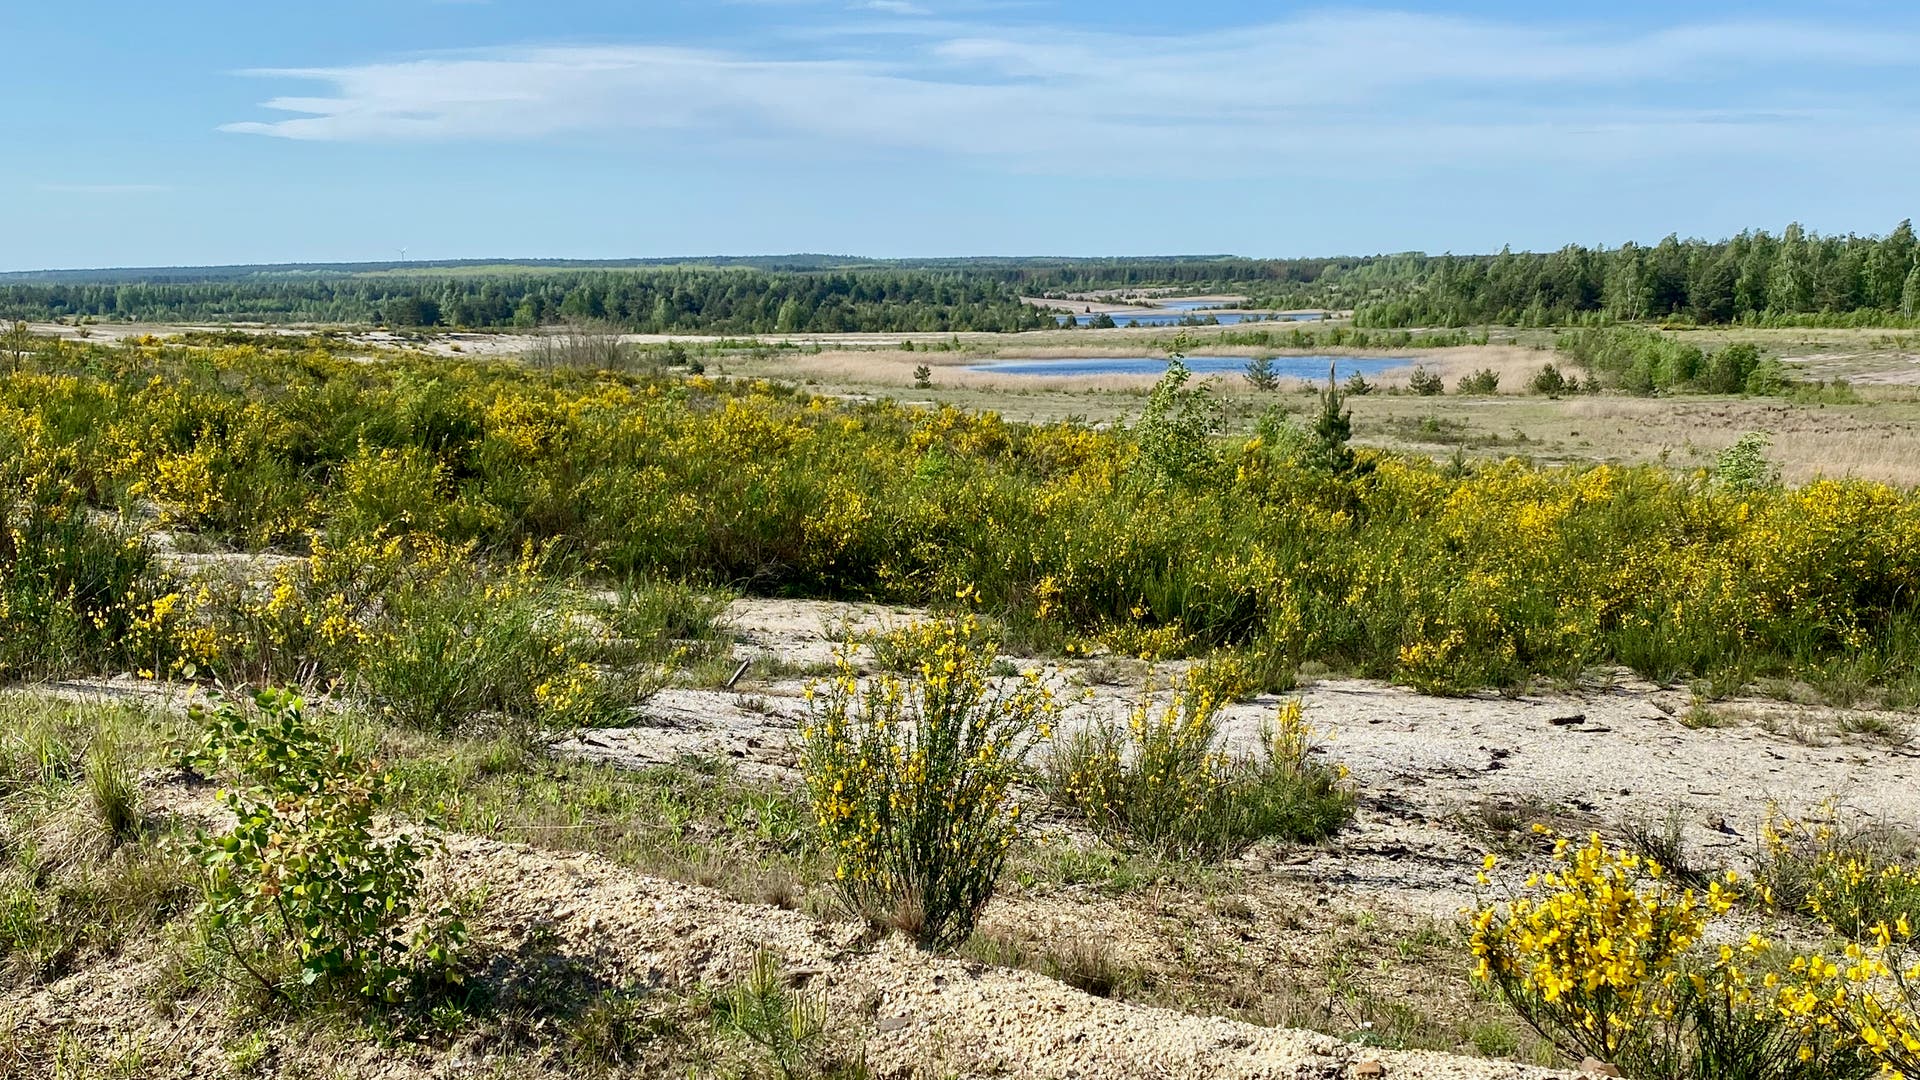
(1327,450)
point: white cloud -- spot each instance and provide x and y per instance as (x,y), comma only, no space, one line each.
(1244,100)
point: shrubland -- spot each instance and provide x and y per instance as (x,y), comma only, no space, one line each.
(429,492)
(468,558)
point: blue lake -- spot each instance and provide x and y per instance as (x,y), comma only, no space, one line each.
(1173,314)
(1287,367)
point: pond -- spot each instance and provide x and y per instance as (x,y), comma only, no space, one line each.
(1286,367)
(1172,315)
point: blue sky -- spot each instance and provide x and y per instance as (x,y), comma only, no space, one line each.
(213,131)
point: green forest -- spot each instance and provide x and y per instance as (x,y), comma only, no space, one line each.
(649,301)
(1794,278)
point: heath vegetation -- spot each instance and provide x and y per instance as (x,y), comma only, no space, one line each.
(447,567)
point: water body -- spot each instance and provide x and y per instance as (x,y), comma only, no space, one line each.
(1173,315)
(1287,367)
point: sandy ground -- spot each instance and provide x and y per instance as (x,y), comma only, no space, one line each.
(1423,766)
(1430,774)
(912,1015)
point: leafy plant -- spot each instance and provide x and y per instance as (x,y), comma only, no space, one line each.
(1177,427)
(1743,467)
(302,892)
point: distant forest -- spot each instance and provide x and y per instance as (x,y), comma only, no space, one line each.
(1796,277)
(649,301)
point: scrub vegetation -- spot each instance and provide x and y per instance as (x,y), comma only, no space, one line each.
(397,585)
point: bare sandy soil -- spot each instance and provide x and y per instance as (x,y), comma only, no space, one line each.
(1424,766)
(1346,937)
(909,1014)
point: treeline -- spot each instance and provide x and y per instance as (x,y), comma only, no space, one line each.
(682,300)
(1796,278)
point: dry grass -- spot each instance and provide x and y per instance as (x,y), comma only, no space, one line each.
(1877,439)
(1874,441)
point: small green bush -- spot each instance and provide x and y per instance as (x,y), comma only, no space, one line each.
(1326,448)
(1162,784)
(1853,877)
(1729,370)
(1261,376)
(1425,383)
(1177,427)
(787,1028)
(76,592)
(516,649)
(302,893)
(1743,468)
(1549,381)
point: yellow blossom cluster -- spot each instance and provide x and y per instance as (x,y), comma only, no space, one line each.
(1610,957)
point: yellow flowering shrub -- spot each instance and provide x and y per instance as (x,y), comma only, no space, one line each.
(1450,579)
(76,594)
(1608,957)
(910,780)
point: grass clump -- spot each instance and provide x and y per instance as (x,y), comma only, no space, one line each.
(80,869)
(1163,784)
(1856,879)
(113,791)
(910,783)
